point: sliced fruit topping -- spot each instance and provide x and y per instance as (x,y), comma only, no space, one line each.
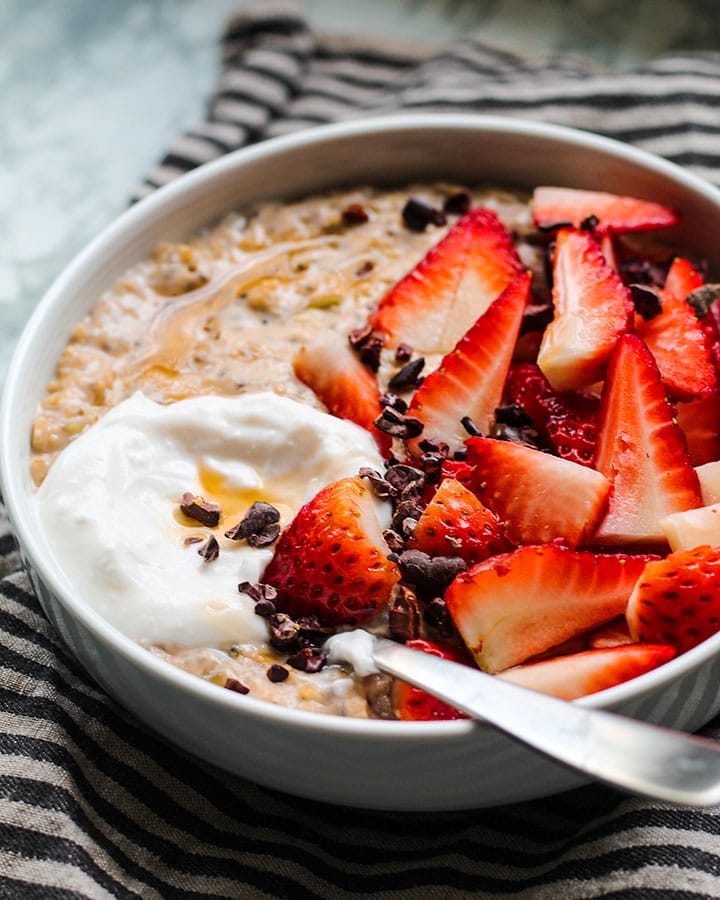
(470,379)
(331,561)
(692,528)
(677,599)
(641,450)
(580,674)
(434,305)
(455,523)
(677,338)
(515,606)
(538,496)
(347,388)
(614,634)
(700,423)
(592,309)
(567,420)
(414,704)
(557,206)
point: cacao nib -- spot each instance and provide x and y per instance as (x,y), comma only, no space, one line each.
(382,488)
(408,376)
(428,574)
(402,477)
(646,300)
(469,426)
(394,540)
(403,353)
(525,435)
(417,215)
(233,684)
(393,400)
(210,550)
(404,620)
(258,592)
(284,631)
(406,513)
(259,526)
(536,317)
(193,539)
(513,414)
(702,298)
(432,466)
(434,446)
(365,268)
(457,204)
(277,673)
(590,223)
(378,692)
(554,226)
(643,271)
(460,455)
(368,345)
(265,609)
(355,214)
(308,659)
(437,614)
(397,424)
(200,510)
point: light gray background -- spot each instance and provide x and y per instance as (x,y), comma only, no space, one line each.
(91,91)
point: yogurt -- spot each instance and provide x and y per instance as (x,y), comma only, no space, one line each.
(110,506)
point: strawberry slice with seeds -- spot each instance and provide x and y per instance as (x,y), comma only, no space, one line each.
(700,423)
(592,309)
(434,305)
(616,214)
(677,338)
(677,599)
(538,496)
(331,561)
(347,388)
(414,704)
(640,450)
(580,674)
(516,606)
(470,379)
(455,523)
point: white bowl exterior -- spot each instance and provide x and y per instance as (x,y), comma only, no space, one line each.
(387,765)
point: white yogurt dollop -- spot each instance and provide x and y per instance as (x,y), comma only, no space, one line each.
(110,506)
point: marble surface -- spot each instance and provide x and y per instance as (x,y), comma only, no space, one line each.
(91,91)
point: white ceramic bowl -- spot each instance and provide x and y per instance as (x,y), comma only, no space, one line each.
(378,764)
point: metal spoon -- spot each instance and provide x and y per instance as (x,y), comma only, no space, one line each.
(626,753)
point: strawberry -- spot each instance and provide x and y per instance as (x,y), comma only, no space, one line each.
(331,561)
(677,599)
(555,206)
(700,423)
(538,496)
(414,704)
(346,387)
(455,523)
(515,606)
(677,339)
(470,379)
(567,420)
(580,674)
(434,305)
(592,309)
(641,450)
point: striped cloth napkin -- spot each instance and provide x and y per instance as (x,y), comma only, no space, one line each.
(94,805)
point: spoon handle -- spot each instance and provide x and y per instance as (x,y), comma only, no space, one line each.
(626,753)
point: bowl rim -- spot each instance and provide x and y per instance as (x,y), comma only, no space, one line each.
(11,476)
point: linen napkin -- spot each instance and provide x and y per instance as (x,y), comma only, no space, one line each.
(92,804)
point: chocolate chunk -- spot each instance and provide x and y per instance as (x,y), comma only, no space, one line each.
(397,424)
(210,550)
(646,300)
(417,215)
(233,684)
(404,620)
(469,426)
(702,298)
(429,574)
(259,526)
(457,204)
(368,345)
(308,659)
(284,631)
(355,214)
(382,488)
(408,376)
(403,353)
(277,673)
(200,510)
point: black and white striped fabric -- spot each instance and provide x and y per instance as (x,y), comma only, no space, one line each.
(93,805)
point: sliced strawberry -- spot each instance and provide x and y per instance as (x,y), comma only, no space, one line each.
(641,450)
(538,496)
(331,561)
(433,306)
(592,309)
(700,423)
(677,599)
(470,379)
(349,390)
(414,704)
(614,634)
(677,339)
(554,206)
(515,606)
(580,674)
(567,420)
(455,523)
